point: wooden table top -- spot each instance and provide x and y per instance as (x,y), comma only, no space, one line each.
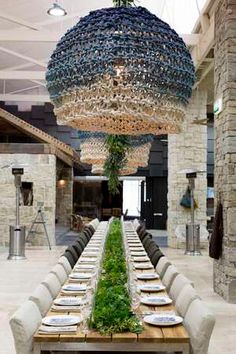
(150,334)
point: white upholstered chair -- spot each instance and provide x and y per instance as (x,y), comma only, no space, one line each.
(169,276)
(60,272)
(42,298)
(199,322)
(53,284)
(24,323)
(178,284)
(162,266)
(184,299)
(65,263)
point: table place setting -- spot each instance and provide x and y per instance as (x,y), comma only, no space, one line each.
(140,259)
(84,259)
(163,319)
(138,254)
(151,288)
(147,276)
(60,324)
(143,265)
(74,288)
(155,300)
(81,276)
(84,267)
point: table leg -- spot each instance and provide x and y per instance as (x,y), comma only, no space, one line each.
(37,349)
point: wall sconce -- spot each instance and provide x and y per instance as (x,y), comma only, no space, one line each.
(61,183)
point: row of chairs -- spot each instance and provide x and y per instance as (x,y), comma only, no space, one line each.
(152,249)
(198,320)
(27,319)
(73,252)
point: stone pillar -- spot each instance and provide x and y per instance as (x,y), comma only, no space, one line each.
(225,145)
(187,150)
(64,197)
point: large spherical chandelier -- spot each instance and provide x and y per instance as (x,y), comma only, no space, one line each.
(121,70)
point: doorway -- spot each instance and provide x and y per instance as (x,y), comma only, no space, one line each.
(155,203)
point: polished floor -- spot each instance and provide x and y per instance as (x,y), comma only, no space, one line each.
(18,280)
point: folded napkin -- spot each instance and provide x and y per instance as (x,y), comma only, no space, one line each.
(57,330)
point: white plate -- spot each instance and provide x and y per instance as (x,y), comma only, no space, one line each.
(147,276)
(143,266)
(134,242)
(87,259)
(74,287)
(68,301)
(156,300)
(152,288)
(136,248)
(91,249)
(84,267)
(163,320)
(64,320)
(80,276)
(138,254)
(141,259)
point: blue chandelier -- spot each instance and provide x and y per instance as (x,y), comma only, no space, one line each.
(121,70)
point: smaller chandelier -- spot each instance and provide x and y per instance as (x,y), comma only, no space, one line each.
(126,170)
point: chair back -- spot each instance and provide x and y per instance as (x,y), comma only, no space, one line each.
(67,254)
(184,299)
(24,323)
(42,298)
(60,272)
(178,284)
(156,256)
(162,266)
(71,250)
(199,322)
(78,249)
(53,284)
(169,276)
(66,264)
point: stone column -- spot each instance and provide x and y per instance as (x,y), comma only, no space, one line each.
(225,145)
(187,150)
(64,197)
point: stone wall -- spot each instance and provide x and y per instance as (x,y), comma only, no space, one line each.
(225,145)
(64,194)
(41,171)
(187,150)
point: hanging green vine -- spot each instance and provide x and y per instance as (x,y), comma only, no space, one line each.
(126,3)
(117,146)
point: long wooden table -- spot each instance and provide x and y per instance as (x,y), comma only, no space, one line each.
(152,338)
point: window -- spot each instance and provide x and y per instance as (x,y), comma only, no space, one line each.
(27,193)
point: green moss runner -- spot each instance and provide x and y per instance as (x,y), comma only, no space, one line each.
(112,304)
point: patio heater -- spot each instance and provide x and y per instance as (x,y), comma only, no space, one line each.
(192,229)
(17,231)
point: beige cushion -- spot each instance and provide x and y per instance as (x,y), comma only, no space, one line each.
(52,283)
(179,282)
(65,263)
(199,322)
(184,299)
(136,224)
(169,276)
(162,266)
(42,298)
(94,223)
(24,323)
(60,272)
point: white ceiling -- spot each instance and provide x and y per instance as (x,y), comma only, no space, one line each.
(28,36)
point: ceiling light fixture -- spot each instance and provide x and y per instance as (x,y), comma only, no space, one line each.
(57,10)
